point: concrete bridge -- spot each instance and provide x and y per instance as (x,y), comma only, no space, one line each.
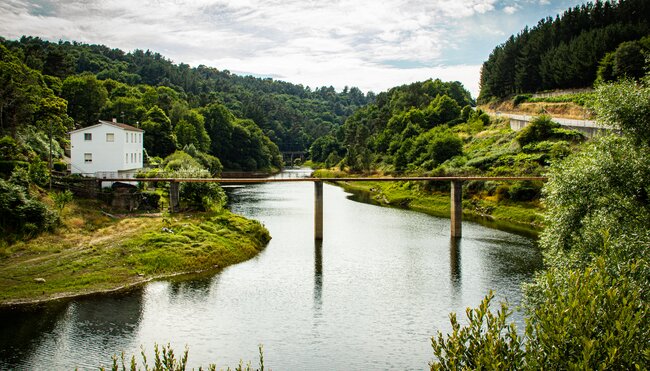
(588,127)
(456,191)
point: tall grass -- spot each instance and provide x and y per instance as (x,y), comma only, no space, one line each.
(165,359)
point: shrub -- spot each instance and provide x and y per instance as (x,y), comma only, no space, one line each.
(22,215)
(150,201)
(521,98)
(202,196)
(483,162)
(625,105)
(39,173)
(568,135)
(20,177)
(540,128)
(502,192)
(60,166)
(211,163)
(444,146)
(524,191)
(487,342)
(61,199)
(485,118)
(8,166)
(588,319)
(597,195)
(580,320)
(164,359)
(179,160)
(10,149)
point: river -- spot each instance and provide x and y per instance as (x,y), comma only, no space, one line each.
(370,296)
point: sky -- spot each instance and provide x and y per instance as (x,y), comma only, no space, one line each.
(371,44)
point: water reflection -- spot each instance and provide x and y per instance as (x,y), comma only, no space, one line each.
(191,287)
(81,333)
(318,275)
(22,329)
(454,262)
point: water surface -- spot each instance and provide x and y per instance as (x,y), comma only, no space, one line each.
(370,296)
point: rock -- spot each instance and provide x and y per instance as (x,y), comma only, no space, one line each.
(39,280)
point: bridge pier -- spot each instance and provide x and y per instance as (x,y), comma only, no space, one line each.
(318,210)
(174,196)
(456,208)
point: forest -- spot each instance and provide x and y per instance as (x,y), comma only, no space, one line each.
(599,41)
(68,85)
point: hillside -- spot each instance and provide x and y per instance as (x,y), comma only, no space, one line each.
(601,40)
(291,115)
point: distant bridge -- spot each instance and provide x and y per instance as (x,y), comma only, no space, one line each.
(456,191)
(289,156)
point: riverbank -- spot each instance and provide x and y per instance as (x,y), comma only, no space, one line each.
(517,217)
(93,252)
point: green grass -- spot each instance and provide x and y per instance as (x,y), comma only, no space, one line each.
(92,252)
(519,217)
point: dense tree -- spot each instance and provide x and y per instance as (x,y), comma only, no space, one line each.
(86,97)
(26,99)
(396,129)
(190,129)
(159,139)
(565,52)
(293,116)
(324,147)
(626,105)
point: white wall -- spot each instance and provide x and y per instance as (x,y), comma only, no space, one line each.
(113,156)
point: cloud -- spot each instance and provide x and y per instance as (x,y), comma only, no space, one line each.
(510,9)
(370,43)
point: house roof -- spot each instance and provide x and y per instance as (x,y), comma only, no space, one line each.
(111,123)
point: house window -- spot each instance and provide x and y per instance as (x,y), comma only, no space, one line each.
(88,136)
(127,137)
(131,157)
(110,137)
(126,158)
(132,136)
(88,158)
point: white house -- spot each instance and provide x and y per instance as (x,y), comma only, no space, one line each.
(108,149)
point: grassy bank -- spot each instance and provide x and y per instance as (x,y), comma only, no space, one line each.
(519,217)
(93,252)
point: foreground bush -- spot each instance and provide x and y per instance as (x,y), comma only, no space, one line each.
(21,214)
(589,310)
(589,319)
(487,342)
(584,319)
(166,360)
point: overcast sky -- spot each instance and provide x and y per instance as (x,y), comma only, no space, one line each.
(373,45)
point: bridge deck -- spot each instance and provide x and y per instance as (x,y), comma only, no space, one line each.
(456,191)
(349,179)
